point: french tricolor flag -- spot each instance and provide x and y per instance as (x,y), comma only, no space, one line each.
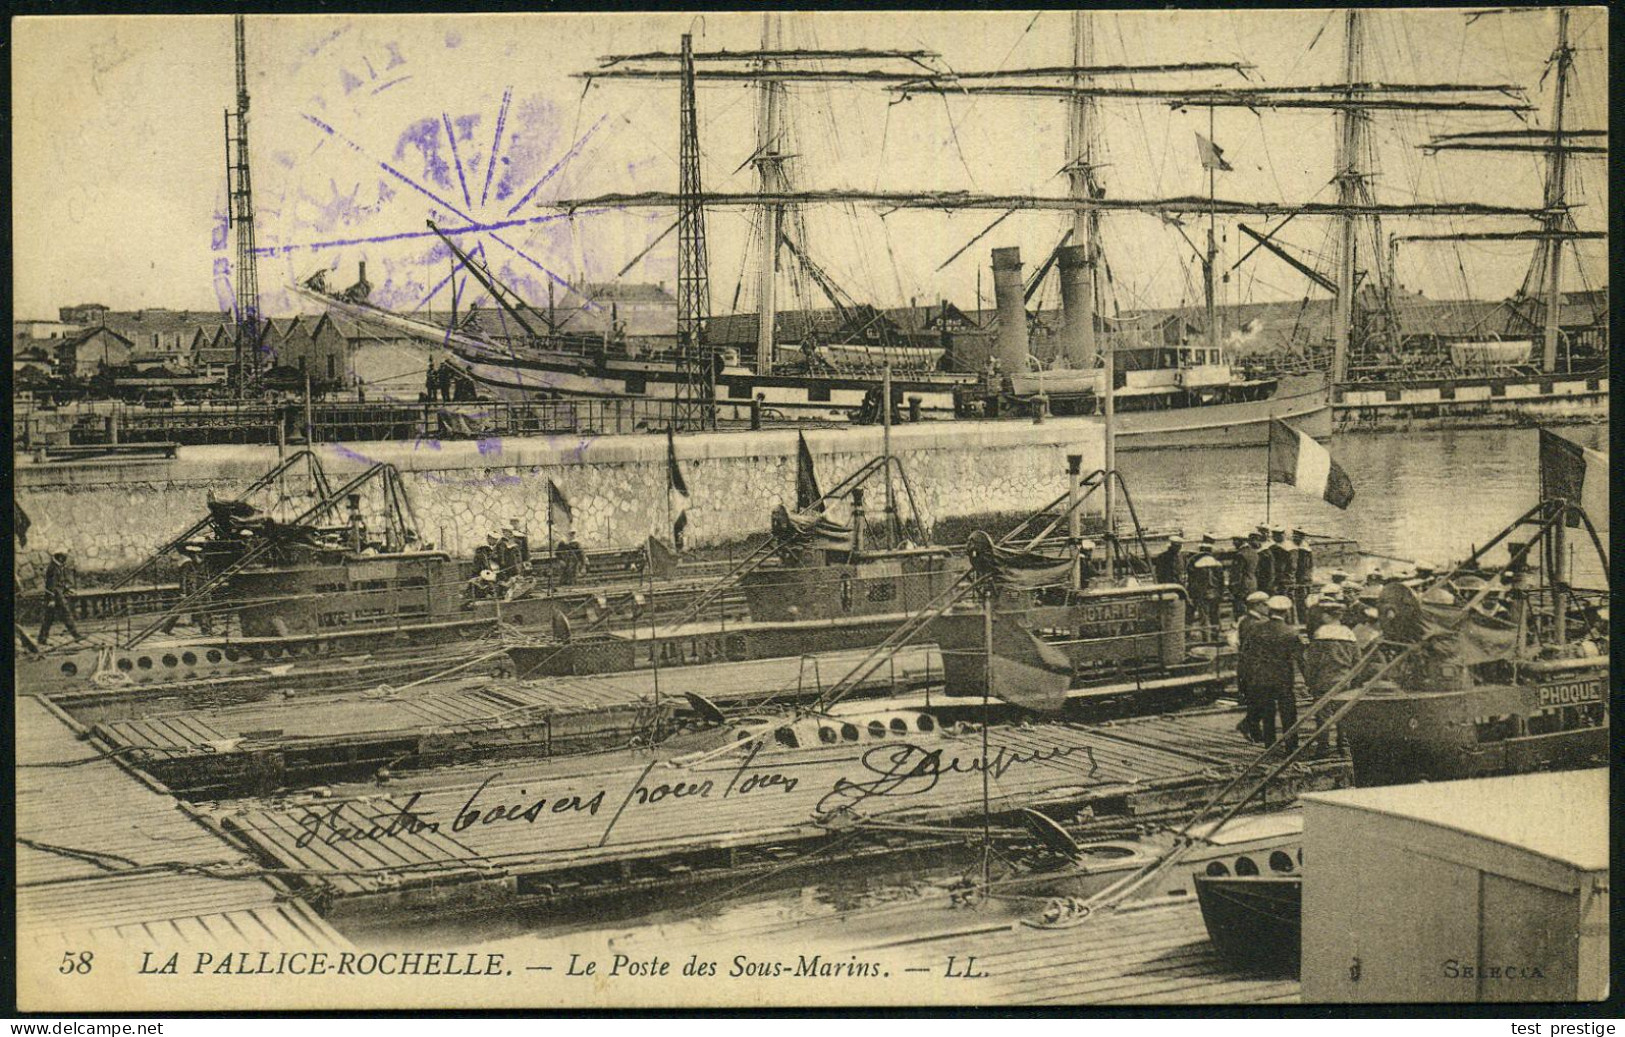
(1297,459)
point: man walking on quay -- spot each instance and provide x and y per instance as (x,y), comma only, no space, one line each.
(1273,649)
(58,589)
(1250,618)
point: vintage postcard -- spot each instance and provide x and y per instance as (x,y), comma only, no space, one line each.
(810,509)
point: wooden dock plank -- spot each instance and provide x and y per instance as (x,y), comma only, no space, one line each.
(112,857)
(1157,953)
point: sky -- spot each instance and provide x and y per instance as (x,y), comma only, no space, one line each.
(363,128)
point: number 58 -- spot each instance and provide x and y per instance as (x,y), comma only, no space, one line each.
(75,964)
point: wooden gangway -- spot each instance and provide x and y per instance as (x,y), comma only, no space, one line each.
(105,854)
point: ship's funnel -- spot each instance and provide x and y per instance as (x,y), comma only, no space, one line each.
(1077,302)
(1011,345)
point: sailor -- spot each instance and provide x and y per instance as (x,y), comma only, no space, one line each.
(1304,576)
(1243,573)
(1311,613)
(1332,651)
(1320,606)
(1366,628)
(430,382)
(485,554)
(1266,559)
(1206,581)
(1253,615)
(1283,567)
(59,587)
(1274,653)
(508,556)
(520,541)
(1167,565)
(485,584)
(572,559)
(1086,563)
(443,377)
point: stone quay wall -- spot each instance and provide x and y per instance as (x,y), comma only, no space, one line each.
(113,515)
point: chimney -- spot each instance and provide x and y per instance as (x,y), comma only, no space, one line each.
(1077,305)
(1011,344)
(363,275)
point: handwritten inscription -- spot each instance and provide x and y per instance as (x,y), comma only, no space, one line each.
(331,824)
(904,769)
(888,771)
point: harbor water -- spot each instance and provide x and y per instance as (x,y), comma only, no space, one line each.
(1427,496)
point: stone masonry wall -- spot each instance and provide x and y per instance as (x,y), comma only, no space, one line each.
(113,516)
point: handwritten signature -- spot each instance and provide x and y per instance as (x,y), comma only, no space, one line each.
(905,769)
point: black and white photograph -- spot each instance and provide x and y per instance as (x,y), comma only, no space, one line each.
(810,509)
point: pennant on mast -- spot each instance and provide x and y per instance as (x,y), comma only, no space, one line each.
(1212,155)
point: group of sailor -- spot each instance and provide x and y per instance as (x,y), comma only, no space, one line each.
(1262,561)
(1337,624)
(503,569)
(502,563)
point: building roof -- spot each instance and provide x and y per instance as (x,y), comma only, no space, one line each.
(621,291)
(80,337)
(1561,815)
(145,323)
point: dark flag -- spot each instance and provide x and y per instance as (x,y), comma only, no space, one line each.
(1010,567)
(1572,473)
(1295,458)
(807,492)
(1028,672)
(676,492)
(661,561)
(20,524)
(559,517)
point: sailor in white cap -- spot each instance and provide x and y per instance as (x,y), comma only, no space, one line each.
(1331,653)
(1243,576)
(1086,563)
(1303,557)
(484,584)
(1205,578)
(1366,627)
(1283,566)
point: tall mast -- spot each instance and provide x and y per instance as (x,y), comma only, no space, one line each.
(1086,236)
(240,208)
(696,393)
(1349,191)
(1211,256)
(769,177)
(1556,195)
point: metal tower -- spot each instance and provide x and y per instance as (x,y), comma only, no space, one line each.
(696,392)
(240,217)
